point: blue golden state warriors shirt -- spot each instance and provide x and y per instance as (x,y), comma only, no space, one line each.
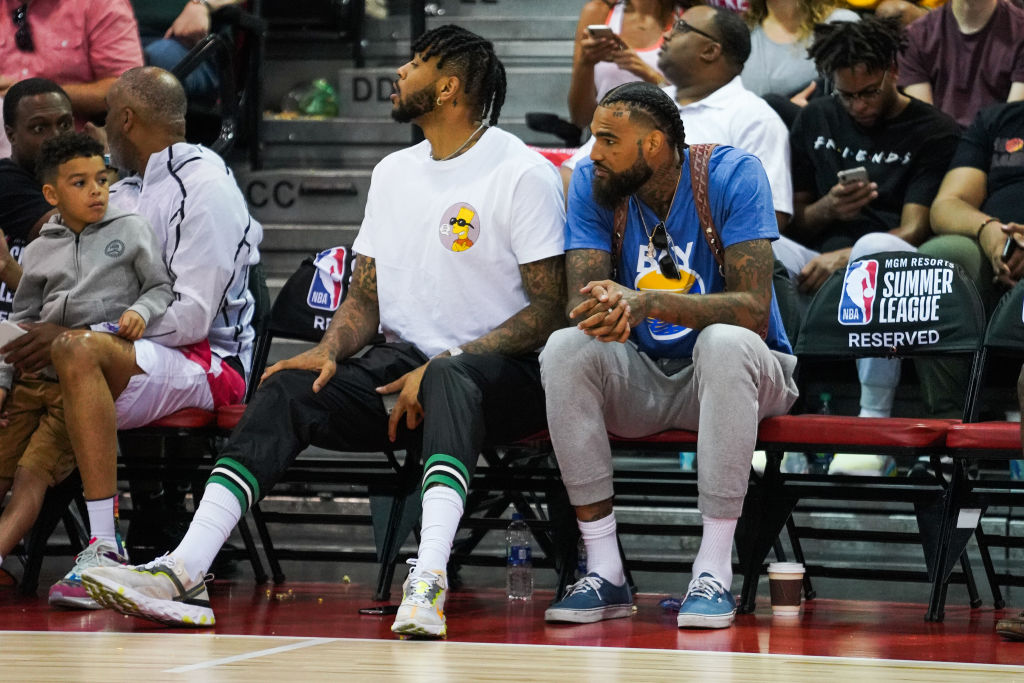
(741,206)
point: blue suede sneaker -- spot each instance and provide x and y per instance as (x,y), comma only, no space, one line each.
(591,599)
(708,604)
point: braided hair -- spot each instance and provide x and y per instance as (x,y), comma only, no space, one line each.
(473,59)
(648,101)
(872,42)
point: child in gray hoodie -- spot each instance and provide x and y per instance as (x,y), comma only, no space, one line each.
(90,265)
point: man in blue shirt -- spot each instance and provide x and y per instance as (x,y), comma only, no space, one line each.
(670,341)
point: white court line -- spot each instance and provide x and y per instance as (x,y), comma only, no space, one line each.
(250,655)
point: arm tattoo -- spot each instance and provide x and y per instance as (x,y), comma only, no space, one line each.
(357,319)
(544,284)
(583,266)
(746,302)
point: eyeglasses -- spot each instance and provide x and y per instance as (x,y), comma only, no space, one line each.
(659,238)
(682,27)
(23,36)
(866,95)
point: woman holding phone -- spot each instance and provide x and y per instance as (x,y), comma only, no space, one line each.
(631,54)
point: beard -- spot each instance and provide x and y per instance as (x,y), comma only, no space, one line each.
(610,191)
(415,106)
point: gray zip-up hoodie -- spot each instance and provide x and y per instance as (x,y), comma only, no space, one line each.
(93,277)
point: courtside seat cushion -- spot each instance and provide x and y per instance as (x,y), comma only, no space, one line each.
(998,436)
(845,430)
(228,416)
(186,418)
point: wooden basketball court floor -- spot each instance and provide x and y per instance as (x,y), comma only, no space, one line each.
(313,631)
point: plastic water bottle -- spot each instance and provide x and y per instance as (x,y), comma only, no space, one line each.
(821,461)
(519,560)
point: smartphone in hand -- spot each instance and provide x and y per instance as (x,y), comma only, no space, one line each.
(603,31)
(852,175)
(1010,247)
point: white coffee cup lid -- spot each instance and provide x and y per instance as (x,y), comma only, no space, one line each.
(786,568)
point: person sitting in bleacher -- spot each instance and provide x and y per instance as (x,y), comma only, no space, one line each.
(903,146)
(92,266)
(980,205)
(682,337)
(208,241)
(779,69)
(702,58)
(965,56)
(600,64)
(169,30)
(83,46)
(460,262)
(35,110)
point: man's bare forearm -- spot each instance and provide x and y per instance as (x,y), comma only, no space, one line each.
(745,303)
(583,266)
(358,318)
(528,329)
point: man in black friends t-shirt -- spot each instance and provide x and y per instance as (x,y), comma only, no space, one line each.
(34,110)
(902,143)
(902,147)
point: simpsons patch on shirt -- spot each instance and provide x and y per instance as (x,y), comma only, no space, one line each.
(460,227)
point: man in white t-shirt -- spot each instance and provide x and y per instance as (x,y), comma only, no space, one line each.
(702,60)
(460,263)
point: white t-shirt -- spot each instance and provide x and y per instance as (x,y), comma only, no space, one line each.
(732,115)
(448,237)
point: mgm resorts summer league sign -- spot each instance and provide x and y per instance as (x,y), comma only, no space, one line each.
(894,303)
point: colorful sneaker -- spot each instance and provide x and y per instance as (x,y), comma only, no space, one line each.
(708,604)
(591,599)
(160,590)
(69,592)
(422,610)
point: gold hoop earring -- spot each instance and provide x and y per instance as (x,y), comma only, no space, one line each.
(439,100)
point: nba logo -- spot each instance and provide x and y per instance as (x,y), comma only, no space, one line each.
(328,288)
(855,303)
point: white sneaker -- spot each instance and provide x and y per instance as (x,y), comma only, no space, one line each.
(422,610)
(160,590)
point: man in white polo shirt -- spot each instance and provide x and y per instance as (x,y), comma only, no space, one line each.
(702,66)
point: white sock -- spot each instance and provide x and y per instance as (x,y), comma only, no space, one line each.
(218,513)
(101,519)
(715,554)
(442,510)
(603,549)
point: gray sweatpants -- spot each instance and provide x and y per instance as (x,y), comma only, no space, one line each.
(594,387)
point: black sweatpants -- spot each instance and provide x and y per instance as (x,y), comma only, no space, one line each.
(466,400)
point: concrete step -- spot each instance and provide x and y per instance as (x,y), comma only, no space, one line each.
(304,195)
(341,143)
(366,93)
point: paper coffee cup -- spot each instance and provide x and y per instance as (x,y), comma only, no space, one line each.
(785,580)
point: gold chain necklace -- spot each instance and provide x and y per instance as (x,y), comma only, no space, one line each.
(461,147)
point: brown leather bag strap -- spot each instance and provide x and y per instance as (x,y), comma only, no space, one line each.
(700,159)
(618,231)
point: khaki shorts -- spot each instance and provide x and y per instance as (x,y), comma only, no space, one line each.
(36,437)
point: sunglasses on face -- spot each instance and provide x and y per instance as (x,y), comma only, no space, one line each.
(659,238)
(682,27)
(23,35)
